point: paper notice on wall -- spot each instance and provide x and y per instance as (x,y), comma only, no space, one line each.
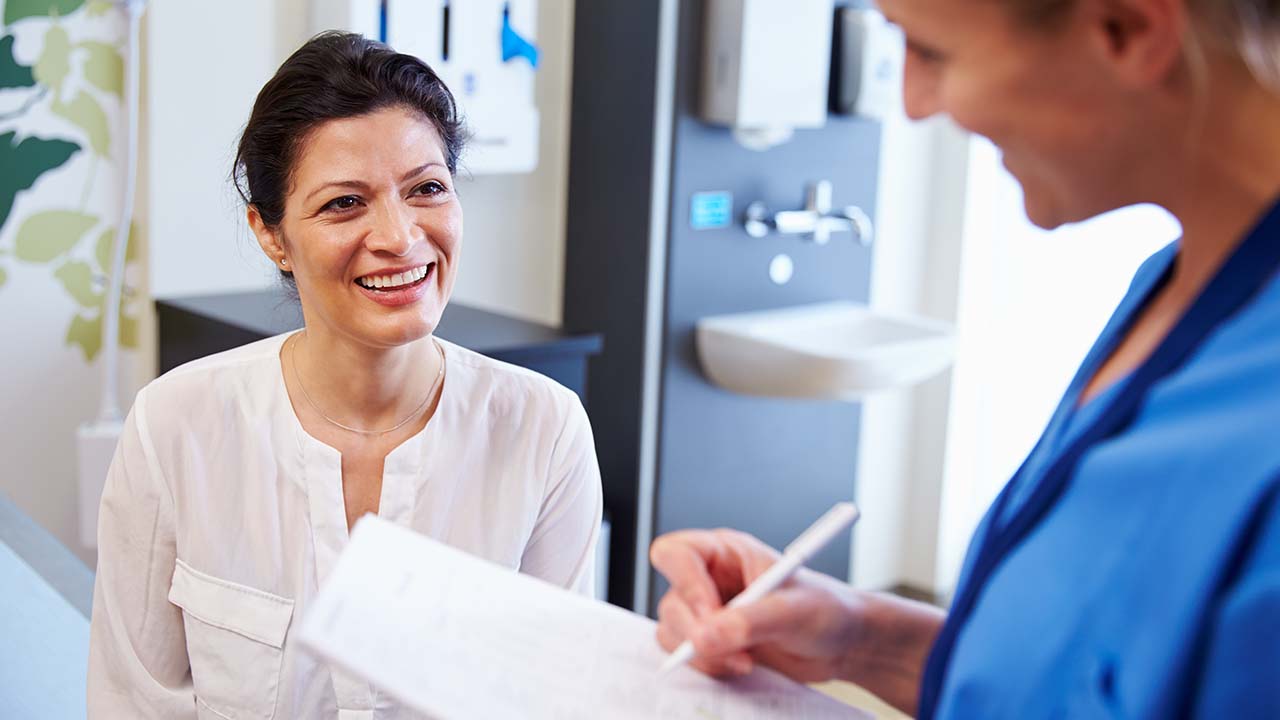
(457,637)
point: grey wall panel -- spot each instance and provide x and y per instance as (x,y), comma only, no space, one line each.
(766,466)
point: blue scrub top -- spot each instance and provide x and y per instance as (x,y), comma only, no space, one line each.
(1151,588)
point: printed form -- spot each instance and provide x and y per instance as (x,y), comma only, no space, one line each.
(455,637)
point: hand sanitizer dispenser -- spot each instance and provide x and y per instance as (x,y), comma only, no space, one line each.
(869,54)
(484,50)
(766,67)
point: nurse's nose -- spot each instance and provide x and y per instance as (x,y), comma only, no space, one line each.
(394,231)
(919,91)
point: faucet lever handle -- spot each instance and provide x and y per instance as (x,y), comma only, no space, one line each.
(860,222)
(819,201)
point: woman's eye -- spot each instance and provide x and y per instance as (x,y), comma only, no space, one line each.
(433,187)
(346,202)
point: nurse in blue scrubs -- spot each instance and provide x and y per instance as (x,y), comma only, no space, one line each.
(1131,567)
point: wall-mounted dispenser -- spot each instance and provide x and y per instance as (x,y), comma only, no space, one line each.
(484,50)
(867,64)
(766,67)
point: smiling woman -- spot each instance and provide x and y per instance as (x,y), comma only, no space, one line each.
(239,475)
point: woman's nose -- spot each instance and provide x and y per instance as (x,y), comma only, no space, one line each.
(394,232)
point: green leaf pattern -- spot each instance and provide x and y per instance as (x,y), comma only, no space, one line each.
(128,329)
(13,75)
(107,241)
(47,235)
(54,63)
(85,113)
(77,277)
(87,333)
(15,10)
(60,237)
(24,162)
(104,67)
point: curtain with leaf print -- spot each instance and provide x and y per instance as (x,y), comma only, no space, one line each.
(55,65)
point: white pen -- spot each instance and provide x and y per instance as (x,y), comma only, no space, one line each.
(819,534)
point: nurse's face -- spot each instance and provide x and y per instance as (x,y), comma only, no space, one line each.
(371,229)
(1043,94)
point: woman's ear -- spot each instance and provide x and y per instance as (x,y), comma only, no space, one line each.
(1143,40)
(270,240)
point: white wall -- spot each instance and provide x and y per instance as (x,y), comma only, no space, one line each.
(914,270)
(206,62)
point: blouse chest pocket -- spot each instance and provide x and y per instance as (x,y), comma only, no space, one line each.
(235,642)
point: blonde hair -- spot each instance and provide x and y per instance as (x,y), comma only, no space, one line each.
(1254,28)
(1248,28)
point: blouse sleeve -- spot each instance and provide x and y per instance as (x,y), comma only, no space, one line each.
(1241,675)
(562,547)
(138,666)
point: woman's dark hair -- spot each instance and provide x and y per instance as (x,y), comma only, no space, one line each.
(334,75)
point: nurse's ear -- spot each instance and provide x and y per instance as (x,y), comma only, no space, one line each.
(1142,41)
(269,239)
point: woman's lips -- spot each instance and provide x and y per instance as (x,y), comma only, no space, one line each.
(404,294)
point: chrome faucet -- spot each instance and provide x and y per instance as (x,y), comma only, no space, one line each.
(816,219)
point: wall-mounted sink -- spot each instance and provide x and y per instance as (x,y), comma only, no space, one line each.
(836,350)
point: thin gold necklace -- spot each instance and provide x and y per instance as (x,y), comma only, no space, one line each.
(416,411)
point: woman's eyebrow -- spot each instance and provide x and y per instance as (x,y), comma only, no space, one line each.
(419,170)
(352,184)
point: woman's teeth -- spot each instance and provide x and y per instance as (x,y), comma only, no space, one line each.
(385,282)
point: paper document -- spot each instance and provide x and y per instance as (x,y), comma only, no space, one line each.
(456,637)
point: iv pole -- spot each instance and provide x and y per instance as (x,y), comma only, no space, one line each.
(110,408)
(96,441)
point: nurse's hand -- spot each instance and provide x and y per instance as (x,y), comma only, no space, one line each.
(803,629)
(811,629)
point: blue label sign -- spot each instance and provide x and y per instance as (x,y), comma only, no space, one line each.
(711,210)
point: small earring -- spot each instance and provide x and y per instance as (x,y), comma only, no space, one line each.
(284,261)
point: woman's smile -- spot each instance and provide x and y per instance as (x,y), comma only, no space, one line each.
(396,287)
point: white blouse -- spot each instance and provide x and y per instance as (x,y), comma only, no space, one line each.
(221,516)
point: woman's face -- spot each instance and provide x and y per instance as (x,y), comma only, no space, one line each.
(371,229)
(1045,97)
